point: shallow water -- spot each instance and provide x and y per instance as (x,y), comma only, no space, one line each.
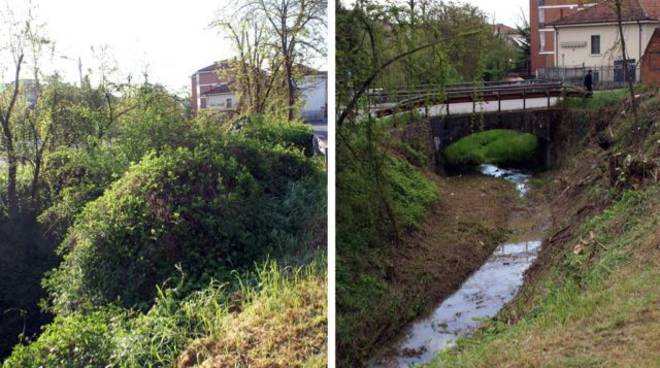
(481,296)
(518,177)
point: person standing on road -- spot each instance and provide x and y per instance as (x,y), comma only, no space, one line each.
(588,84)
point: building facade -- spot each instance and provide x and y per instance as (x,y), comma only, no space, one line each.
(542,39)
(209,91)
(587,38)
(314,90)
(590,37)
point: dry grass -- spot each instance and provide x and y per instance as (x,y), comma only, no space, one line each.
(281,326)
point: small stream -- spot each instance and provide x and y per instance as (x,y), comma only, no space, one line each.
(480,297)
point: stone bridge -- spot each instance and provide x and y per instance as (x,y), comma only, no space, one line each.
(447,129)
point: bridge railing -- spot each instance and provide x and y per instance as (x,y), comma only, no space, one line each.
(604,76)
(408,99)
(380,95)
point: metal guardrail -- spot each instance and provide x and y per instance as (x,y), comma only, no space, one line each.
(604,76)
(409,99)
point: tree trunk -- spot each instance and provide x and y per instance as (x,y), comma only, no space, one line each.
(34,190)
(12,162)
(12,196)
(625,61)
(291,93)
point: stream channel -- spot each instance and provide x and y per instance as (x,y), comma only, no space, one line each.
(480,297)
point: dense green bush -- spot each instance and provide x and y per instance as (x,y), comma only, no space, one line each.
(131,231)
(212,209)
(378,199)
(497,146)
(74,177)
(285,133)
(78,340)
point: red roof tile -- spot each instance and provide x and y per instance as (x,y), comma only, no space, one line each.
(604,12)
(652,7)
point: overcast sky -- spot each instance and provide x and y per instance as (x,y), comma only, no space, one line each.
(171,37)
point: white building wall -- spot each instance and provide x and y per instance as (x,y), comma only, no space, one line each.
(574,43)
(314,91)
(219,102)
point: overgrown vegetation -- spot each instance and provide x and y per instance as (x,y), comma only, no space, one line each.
(384,191)
(273,310)
(596,282)
(381,197)
(497,146)
(599,100)
(144,232)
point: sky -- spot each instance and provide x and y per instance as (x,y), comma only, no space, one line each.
(171,38)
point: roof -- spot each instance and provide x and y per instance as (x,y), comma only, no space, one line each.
(604,12)
(219,89)
(503,29)
(652,7)
(222,64)
(653,47)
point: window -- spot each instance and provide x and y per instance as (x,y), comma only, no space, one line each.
(542,39)
(229,103)
(595,45)
(541,2)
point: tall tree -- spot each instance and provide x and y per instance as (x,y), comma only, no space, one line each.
(252,41)
(299,27)
(15,44)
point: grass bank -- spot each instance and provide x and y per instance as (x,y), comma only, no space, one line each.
(402,248)
(592,298)
(599,99)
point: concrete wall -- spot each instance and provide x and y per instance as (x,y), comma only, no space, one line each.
(637,37)
(314,90)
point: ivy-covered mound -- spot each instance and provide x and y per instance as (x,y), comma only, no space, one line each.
(166,254)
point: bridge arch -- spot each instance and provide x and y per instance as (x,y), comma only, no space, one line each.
(447,129)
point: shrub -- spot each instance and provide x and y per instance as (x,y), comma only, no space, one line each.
(206,209)
(77,340)
(286,133)
(74,177)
